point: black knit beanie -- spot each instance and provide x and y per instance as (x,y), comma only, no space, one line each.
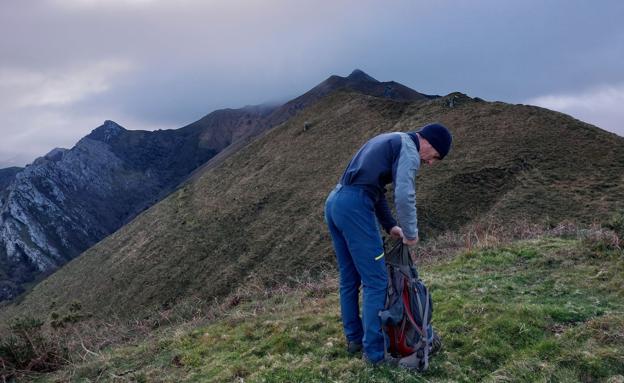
(438,136)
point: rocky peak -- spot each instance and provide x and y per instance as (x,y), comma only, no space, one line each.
(105,132)
(360,76)
(56,154)
(456,98)
(53,155)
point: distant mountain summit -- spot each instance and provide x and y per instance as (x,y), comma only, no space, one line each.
(359,76)
(106,132)
(363,83)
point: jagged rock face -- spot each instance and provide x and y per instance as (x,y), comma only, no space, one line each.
(6,177)
(68,200)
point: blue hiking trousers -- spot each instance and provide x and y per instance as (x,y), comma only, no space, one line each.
(350,216)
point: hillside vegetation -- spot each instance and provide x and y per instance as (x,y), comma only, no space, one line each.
(549,309)
(258,214)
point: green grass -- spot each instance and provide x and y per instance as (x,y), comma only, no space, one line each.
(542,310)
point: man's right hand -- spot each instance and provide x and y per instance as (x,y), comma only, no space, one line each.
(410,242)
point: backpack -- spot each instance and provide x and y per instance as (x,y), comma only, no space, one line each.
(406,319)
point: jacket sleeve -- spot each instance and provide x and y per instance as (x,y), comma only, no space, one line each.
(406,166)
(383,213)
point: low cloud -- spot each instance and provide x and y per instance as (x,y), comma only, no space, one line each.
(67,65)
(601,106)
(38,107)
(100,3)
(28,88)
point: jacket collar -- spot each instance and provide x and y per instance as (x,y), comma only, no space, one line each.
(414,138)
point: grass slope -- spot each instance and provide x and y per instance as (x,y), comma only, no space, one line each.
(259,213)
(550,309)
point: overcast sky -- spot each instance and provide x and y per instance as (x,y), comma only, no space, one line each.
(68,65)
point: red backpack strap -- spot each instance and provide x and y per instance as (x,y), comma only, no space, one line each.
(408,309)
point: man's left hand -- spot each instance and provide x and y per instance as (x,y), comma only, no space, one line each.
(396,232)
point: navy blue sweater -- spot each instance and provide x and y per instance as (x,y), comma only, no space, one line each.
(388,158)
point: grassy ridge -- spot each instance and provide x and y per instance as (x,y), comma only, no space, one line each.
(542,310)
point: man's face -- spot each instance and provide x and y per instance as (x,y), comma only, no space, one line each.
(428,155)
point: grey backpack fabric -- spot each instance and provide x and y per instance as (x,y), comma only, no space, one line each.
(406,319)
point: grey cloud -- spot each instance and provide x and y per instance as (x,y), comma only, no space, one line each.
(190,57)
(600,105)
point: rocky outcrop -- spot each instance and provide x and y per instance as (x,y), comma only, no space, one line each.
(67,200)
(7,176)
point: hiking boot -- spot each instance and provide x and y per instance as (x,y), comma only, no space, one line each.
(436,344)
(417,361)
(354,347)
(387,361)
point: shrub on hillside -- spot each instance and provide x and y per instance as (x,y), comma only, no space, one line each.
(73,315)
(616,223)
(28,349)
(608,236)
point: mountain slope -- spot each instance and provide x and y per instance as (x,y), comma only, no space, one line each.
(258,214)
